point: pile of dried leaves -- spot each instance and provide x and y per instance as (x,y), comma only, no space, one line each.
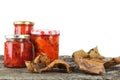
(90,62)
(42,63)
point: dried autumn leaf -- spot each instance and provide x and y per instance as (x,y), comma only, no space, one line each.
(94,53)
(112,62)
(42,59)
(29,65)
(88,65)
(56,63)
(80,53)
(42,63)
(34,67)
(39,62)
(98,60)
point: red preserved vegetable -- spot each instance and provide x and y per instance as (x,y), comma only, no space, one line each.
(17,50)
(47,42)
(23,27)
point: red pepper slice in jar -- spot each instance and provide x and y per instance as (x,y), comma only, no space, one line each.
(46,48)
(47,42)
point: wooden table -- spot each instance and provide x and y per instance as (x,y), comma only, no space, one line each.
(112,73)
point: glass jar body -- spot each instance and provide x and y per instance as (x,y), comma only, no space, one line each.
(46,44)
(17,51)
(23,27)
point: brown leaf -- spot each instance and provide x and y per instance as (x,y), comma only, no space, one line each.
(112,62)
(29,66)
(42,59)
(94,53)
(80,53)
(56,63)
(39,62)
(42,63)
(90,66)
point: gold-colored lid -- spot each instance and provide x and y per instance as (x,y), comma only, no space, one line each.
(23,22)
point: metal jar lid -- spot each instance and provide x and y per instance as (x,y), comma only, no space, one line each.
(23,22)
(16,36)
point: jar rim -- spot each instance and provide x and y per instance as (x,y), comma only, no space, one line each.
(17,36)
(23,22)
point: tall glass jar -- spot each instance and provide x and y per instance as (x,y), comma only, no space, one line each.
(23,27)
(17,50)
(46,42)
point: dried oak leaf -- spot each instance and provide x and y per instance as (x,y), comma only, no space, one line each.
(112,62)
(56,63)
(80,53)
(88,65)
(98,60)
(29,65)
(42,63)
(42,59)
(34,67)
(94,53)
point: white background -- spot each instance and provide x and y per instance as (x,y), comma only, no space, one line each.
(83,24)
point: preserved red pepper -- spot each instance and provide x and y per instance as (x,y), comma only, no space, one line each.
(23,27)
(17,50)
(47,42)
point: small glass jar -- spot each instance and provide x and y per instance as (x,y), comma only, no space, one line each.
(23,27)
(46,42)
(17,50)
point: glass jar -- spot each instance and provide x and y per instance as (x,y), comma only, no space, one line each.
(17,50)
(23,27)
(46,42)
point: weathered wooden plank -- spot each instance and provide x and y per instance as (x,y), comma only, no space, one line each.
(112,73)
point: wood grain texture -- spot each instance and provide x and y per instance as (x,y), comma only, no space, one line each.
(112,73)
